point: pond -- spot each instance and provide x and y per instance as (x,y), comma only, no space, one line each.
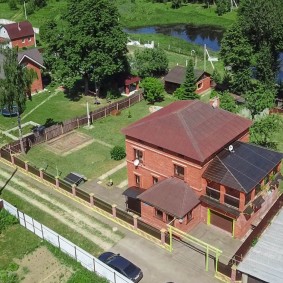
(209,35)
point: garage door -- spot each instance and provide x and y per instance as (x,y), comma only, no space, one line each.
(221,221)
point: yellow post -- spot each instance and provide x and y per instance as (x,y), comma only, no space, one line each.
(206,259)
(233,229)
(170,238)
(208,217)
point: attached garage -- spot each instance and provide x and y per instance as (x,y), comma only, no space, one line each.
(221,221)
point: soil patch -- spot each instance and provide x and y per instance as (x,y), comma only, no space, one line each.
(42,266)
(69,143)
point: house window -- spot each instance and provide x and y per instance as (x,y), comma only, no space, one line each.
(138,180)
(179,171)
(154,180)
(170,218)
(159,214)
(189,216)
(138,154)
(199,85)
(23,40)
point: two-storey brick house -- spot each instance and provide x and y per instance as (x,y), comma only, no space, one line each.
(18,35)
(176,159)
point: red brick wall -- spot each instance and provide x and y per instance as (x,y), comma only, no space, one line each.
(148,215)
(20,44)
(161,164)
(37,83)
(205,85)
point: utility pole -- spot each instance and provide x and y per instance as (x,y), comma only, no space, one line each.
(25,10)
(20,132)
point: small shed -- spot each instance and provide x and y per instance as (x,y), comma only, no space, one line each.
(128,83)
(176,77)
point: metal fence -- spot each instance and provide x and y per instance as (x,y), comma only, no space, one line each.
(84,258)
(74,123)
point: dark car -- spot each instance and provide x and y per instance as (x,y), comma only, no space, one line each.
(122,265)
(75,178)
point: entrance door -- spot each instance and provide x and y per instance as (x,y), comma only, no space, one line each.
(221,221)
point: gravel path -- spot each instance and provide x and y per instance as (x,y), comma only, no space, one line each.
(89,227)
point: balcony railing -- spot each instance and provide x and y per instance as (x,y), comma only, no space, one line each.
(230,200)
(213,193)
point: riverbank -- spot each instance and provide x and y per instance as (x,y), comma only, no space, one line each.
(141,13)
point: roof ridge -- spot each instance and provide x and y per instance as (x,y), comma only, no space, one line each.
(189,133)
(231,173)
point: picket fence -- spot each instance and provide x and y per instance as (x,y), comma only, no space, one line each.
(87,260)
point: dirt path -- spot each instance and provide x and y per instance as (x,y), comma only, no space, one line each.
(89,227)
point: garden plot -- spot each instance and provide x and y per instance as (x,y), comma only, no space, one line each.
(42,266)
(69,143)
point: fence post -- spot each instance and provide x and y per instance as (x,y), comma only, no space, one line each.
(91,199)
(41,173)
(26,166)
(117,106)
(74,189)
(163,231)
(62,129)
(78,124)
(105,111)
(135,217)
(114,210)
(57,181)
(12,158)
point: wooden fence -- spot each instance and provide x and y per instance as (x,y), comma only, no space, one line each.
(74,123)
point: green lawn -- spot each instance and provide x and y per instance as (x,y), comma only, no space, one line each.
(140,13)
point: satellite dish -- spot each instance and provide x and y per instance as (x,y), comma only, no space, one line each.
(231,148)
(136,162)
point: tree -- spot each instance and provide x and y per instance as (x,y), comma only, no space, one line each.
(227,102)
(15,86)
(189,85)
(153,89)
(222,7)
(259,99)
(150,62)
(262,131)
(87,44)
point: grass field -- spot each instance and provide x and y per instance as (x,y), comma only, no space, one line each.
(133,14)
(140,13)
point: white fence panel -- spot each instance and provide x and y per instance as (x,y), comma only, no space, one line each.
(104,270)
(10,208)
(86,259)
(22,218)
(50,236)
(29,223)
(67,247)
(37,228)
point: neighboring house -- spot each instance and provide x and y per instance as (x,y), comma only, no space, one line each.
(176,77)
(19,34)
(194,162)
(264,261)
(32,59)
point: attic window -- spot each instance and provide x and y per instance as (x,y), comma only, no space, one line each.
(179,171)
(199,86)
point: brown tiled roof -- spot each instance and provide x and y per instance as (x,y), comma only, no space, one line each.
(242,168)
(190,128)
(19,30)
(32,54)
(172,196)
(177,75)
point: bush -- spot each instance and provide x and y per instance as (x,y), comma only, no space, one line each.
(6,219)
(117,152)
